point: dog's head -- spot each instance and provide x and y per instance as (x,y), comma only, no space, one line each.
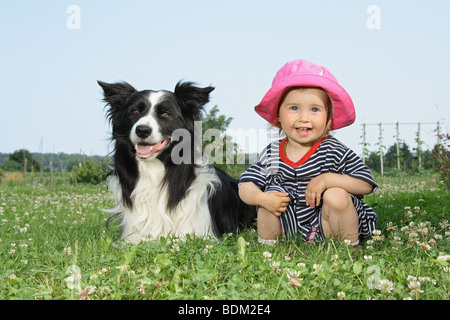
(146,119)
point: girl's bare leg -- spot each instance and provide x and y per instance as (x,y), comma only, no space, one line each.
(269,225)
(339,216)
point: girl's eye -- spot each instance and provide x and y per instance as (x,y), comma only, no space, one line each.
(294,108)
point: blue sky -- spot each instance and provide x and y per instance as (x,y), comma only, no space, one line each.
(48,72)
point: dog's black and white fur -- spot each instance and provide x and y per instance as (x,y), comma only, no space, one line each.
(156,197)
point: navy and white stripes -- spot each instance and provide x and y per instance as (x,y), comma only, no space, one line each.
(273,171)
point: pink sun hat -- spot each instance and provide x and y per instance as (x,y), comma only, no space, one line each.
(301,73)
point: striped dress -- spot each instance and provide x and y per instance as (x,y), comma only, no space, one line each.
(274,172)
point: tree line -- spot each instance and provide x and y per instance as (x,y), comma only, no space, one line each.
(399,158)
(94,169)
(406,160)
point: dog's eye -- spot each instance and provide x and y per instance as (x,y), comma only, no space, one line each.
(135,111)
(165,114)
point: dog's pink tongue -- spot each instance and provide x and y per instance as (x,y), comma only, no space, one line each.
(148,150)
(144,150)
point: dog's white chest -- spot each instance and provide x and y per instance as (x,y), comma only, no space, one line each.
(149,218)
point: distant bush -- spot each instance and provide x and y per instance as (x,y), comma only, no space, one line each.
(92,172)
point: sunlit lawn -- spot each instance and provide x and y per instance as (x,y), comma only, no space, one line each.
(54,244)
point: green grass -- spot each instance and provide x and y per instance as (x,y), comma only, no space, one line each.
(54,244)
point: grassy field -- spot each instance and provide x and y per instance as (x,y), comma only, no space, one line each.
(54,244)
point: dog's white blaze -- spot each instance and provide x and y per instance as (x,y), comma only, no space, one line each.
(150,219)
(150,120)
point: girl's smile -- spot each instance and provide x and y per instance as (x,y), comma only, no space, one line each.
(303,131)
(303,115)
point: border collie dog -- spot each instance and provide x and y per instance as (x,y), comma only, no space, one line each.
(155,195)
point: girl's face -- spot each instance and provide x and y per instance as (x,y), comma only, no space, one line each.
(303,115)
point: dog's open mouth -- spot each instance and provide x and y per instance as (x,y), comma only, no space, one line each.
(146,150)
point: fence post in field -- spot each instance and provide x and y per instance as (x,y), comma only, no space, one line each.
(51,170)
(24,168)
(364,143)
(62,171)
(41,165)
(419,151)
(438,129)
(380,141)
(418,140)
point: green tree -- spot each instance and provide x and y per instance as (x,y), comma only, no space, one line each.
(16,161)
(406,157)
(214,120)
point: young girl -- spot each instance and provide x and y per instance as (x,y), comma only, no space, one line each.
(308,183)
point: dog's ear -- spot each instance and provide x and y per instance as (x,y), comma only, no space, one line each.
(116,94)
(192,97)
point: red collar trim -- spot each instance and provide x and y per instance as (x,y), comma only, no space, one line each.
(305,158)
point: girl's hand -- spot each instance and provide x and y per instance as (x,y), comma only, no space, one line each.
(328,180)
(275,202)
(314,190)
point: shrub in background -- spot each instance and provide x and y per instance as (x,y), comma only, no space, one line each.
(91,171)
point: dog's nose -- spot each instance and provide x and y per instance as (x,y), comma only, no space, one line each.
(143,131)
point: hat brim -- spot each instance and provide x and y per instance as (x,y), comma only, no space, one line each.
(343,109)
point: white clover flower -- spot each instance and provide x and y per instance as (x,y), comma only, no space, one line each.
(425,246)
(409,215)
(275,267)
(267,255)
(376,232)
(422,229)
(74,280)
(317,268)
(444,224)
(176,247)
(391,227)
(404,229)
(294,279)
(385,286)
(84,294)
(398,240)
(415,287)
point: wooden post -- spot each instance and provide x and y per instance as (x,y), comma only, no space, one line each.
(380,140)
(51,170)
(364,143)
(398,146)
(42,171)
(419,151)
(25,160)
